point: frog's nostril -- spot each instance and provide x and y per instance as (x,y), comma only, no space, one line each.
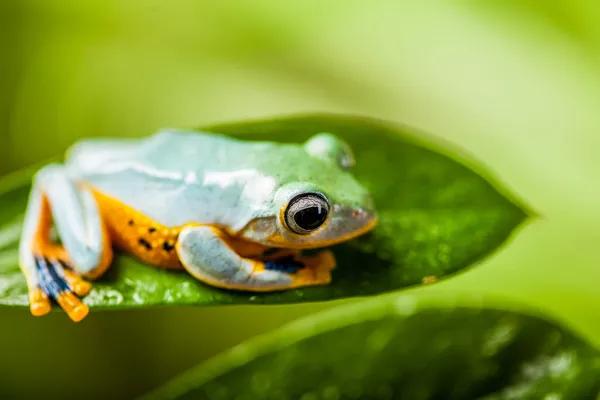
(363,220)
(361,213)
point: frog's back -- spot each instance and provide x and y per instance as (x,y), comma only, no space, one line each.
(165,151)
(164,176)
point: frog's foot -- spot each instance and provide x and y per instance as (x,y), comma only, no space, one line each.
(206,254)
(55,272)
(57,282)
(305,270)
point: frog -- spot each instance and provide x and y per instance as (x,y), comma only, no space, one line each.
(236,214)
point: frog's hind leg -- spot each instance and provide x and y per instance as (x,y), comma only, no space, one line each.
(53,271)
(207,254)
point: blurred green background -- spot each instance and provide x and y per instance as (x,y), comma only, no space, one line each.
(514,82)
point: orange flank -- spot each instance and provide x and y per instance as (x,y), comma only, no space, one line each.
(138,235)
(151,242)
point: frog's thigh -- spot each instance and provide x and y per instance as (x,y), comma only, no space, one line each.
(86,247)
(77,219)
(205,254)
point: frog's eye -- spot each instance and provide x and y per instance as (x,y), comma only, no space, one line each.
(306,213)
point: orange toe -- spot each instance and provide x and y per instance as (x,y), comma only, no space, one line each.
(79,286)
(74,308)
(40,308)
(39,304)
(79,312)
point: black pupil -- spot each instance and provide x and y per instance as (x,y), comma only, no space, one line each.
(310,218)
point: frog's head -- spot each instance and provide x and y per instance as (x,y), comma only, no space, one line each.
(317,202)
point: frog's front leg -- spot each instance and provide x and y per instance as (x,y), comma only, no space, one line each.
(55,271)
(205,252)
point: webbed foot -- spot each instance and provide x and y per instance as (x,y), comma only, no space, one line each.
(305,270)
(57,282)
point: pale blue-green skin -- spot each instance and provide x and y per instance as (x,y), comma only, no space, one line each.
(177,177)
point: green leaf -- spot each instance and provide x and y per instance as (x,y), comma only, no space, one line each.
(438,217)
(398,347)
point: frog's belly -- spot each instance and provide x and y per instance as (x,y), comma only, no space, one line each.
(138,235)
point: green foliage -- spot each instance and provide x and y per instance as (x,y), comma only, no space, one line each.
(438,217)
(396,347)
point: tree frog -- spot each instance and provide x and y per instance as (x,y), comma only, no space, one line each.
(233,213)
